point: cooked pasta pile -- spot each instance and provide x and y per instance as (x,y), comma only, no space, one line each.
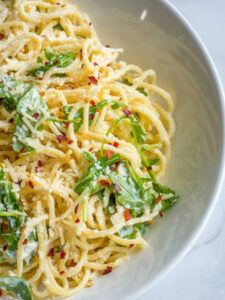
(83,140)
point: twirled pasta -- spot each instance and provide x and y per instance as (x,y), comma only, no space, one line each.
(47,175)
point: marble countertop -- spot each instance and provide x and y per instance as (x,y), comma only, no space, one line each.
(201,274)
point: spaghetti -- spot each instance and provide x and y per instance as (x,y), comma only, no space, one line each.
(83,138)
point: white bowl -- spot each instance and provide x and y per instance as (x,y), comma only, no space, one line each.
(165,42)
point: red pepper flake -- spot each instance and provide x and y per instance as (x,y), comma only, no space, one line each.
(131,246)
(107,271)
(92,80)
(2,36)
(40,163)
(4,227)
(158,199)
(66,124)
(92,102)
(25,242)
(1,293)
(62,254)
(11,120)
(77,221)
(31,184)
(127,215)
(81,54)
(95,64)
(117,188)
(105,182)
(127,112)
(116,144)
(115,166)
(61,138)
(51,252)
(5,247)
(76,209)
(109,153)
(161,214)
(70,142)
(79,144)
(61,272)
(36,115)
(90,149)
(91,116)
(23,150)
(72,263)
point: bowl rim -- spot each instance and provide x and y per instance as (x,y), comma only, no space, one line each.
(221,172)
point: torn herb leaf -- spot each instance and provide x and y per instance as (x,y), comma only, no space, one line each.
(32,110)
(16,287)
(142,91)
(131,232)
(54,60)
(127,82)
(12,219)
(11,91)
(96,169)
(58,26)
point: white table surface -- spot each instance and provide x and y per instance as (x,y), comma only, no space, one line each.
(201,274)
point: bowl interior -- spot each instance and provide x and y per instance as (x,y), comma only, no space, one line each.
(164,43)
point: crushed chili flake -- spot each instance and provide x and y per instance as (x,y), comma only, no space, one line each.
(115,166)
(30,183)
(92,102)
(66,124)
(127,215)
(79,144)
(72,263)
(11,120)
(90,149)
(2,36)
(77,221)
(36,115)
(92,80)
(61,138)
(158,199)
(61,272)
(161,214)
(131,246)
(62,254)
(51,252)
(105,182)
(95,64)
(5,247)
(25,242)
(116,144)
(76,209)
(127,112)
(40,163)
(70,142)
(1,293)
(117,188)
(4,227)
(107,271)
(23,150)
(109,153)
(91,116)
(81,54)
